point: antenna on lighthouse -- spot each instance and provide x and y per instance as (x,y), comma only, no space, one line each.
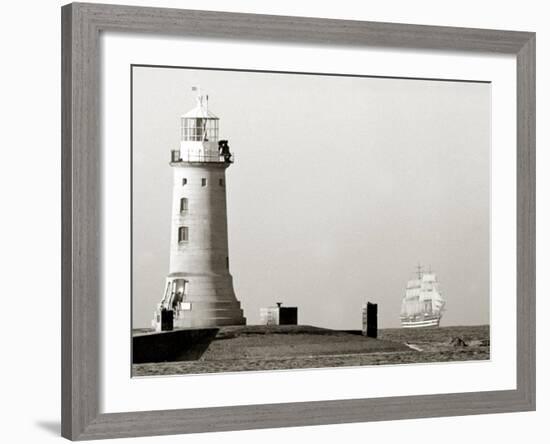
(202,101)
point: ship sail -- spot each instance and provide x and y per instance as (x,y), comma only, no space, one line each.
(423,304)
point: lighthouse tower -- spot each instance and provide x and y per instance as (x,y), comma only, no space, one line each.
(199,288)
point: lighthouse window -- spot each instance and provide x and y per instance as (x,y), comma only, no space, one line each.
(221,183)
(184,181)
(203,181)
(183,204)
(183,234)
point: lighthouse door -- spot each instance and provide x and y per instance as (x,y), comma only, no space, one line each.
(175,293)
(180,286)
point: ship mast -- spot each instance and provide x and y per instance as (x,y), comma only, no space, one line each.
(419,271)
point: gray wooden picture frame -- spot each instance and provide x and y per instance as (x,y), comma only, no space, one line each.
(81,172)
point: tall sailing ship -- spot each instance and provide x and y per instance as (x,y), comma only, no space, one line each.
(423,304)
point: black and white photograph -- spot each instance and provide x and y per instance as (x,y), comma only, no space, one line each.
(247,222)
(285,221)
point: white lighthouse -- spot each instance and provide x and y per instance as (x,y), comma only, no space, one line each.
(199,288)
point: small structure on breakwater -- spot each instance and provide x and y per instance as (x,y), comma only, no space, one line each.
(370,320)
(279,315)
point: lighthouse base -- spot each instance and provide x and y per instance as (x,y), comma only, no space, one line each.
(210,315)
(201,301)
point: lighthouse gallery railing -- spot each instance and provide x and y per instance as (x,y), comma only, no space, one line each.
(177,157)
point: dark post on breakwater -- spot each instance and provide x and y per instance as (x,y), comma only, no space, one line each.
(370,320)
(165,320)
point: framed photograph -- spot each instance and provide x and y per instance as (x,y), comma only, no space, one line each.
(281,221)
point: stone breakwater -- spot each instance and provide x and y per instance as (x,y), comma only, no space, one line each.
(256,348)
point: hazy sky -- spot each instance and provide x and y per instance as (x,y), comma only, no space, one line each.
(341,186)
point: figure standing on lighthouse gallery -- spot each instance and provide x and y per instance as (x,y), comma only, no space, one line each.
(199,287)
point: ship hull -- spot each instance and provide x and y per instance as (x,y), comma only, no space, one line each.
(423,322)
